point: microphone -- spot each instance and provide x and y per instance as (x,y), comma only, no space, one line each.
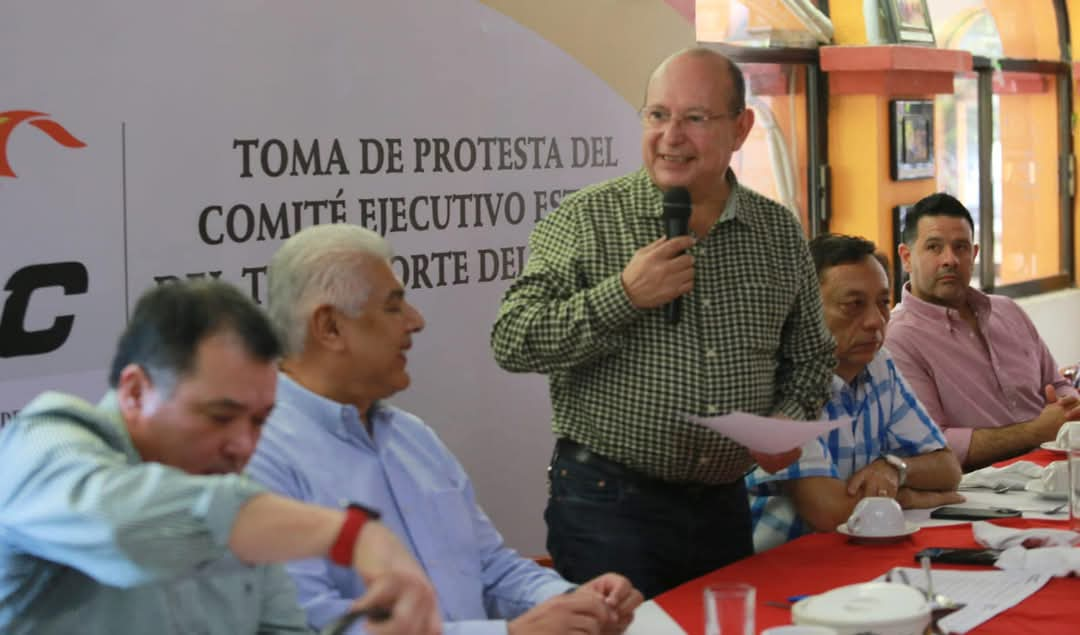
(676,223)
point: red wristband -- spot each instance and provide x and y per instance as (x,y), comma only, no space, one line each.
(356,517)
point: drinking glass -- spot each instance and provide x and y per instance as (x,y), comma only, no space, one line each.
(1072,447)
(729,609)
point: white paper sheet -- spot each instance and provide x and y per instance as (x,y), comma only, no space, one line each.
(650,619)
(986,592)
(768,434)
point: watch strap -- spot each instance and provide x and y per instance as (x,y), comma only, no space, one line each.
(356,516)
(899,465)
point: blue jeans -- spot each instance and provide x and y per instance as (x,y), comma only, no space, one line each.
(604,517)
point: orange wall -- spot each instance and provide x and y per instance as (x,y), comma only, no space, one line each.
(863,193)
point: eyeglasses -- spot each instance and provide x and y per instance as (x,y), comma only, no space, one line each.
(654,117)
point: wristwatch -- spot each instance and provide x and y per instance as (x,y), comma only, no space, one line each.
(900,465)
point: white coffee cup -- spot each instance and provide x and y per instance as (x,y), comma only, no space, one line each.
(876,516)
(1055,477)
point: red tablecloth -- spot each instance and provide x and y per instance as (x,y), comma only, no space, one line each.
(1040,456)
(819,562)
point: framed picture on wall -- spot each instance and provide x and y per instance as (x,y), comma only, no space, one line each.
(911,125)
(908,21)
(897,276)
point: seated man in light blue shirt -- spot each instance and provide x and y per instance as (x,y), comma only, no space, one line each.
(347,328)
(128,516)
(892,447)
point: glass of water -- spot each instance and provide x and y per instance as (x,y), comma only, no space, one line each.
(729,609)
(1072,446)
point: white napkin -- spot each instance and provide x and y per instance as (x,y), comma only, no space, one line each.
(1062,440)
(650,619)
(1014,476)
(997,537)
(1056,561)
(1055,477)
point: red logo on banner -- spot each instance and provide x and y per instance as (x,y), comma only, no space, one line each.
(39,120)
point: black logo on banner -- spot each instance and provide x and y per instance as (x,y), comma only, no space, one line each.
(15,340)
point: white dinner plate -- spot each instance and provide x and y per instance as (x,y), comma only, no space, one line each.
(909,528)
(1052,446)
(1036,487)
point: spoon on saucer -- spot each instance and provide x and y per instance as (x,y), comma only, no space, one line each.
(940,605)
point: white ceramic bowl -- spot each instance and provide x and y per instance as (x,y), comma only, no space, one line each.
(799,629)
(883,608)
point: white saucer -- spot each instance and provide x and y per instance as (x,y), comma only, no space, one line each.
(1036,487)
(909,528)
(1052,446)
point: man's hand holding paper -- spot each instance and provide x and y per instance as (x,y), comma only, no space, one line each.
(768,435)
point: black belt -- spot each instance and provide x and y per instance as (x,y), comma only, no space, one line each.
(579,453)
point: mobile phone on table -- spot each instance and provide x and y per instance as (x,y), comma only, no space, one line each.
(959,512)
(959,555)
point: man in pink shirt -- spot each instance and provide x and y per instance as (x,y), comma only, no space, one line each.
(974,360)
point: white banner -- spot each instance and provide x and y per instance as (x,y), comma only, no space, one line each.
(150,140)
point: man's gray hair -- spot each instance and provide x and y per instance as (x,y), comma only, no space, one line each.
(325,264)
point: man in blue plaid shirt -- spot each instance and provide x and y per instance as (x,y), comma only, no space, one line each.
(892,447)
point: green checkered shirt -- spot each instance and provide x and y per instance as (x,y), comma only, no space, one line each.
(751,336)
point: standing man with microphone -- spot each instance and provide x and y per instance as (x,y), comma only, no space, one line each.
(635,487)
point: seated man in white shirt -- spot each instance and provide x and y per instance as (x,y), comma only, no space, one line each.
(347,326)
(892,447)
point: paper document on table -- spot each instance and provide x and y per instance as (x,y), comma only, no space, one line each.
(768,434)
(986,593)
(650,619)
